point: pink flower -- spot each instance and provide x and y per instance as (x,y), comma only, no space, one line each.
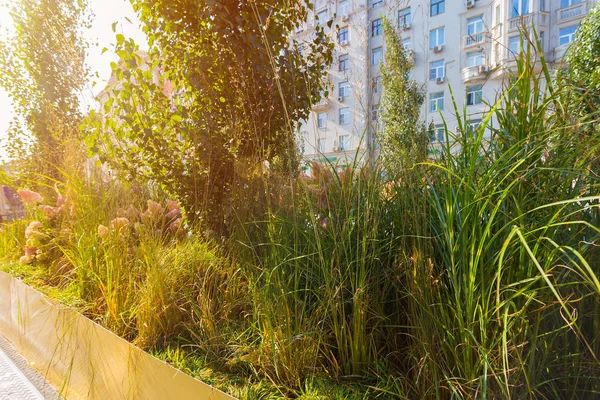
(172,205)
(103,231)
(26,260)
(154,208)
(60,200)
(30,251)
(30,198)
(175,225)
(49,211)
(325,223)
(119,223)
(173,214)
(32,229)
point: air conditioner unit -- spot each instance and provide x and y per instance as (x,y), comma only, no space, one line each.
(405,26)
(470,3)
(341,99)
(345,18)
(343,42)
(483,69)
(438,48)
(440,79)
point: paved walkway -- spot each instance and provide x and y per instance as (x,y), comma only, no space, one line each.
(18,381)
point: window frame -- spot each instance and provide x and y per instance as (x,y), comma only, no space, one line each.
(379,52)
(344,143)
(343,61)
(345,32)
(343,7)
(318,18)
(570,36)
(345,113)
(404,17)
(434,102)
(437,33)
(522,8)
(377,27)
(435,68)
(322,123)
(344,89)
(476,55)
(439,6)
(322,145)
(474,95)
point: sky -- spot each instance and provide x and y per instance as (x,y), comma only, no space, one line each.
(105,12)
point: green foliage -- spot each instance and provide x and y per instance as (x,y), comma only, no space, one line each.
(43,71)
(225,100)
(404,139)
(583,68)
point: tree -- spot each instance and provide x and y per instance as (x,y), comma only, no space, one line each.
(231,84)
(43,73)
(582,76)
(404,138)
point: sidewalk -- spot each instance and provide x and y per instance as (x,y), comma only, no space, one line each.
(19,381)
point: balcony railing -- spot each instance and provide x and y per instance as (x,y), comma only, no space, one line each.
(573,11)
(474,39)
(324,103)
(515,23)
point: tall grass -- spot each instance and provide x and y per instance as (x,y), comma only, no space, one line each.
(471,276)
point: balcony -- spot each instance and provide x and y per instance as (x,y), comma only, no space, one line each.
(475,73)
(323,104)
(521,21)
(572,12)
(475,39)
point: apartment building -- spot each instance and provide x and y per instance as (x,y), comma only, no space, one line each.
(466,45)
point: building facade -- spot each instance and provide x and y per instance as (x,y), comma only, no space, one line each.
(467,46)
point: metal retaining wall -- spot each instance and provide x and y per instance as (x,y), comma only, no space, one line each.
(81,359)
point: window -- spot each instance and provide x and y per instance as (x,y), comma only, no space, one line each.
(474,95)
(343,35)
(404,17)
(436,69)
(475,59)
(568,3)
(436,101)
(475,25)
(543,5)
(377,55)
(322,143)
(321,17)
(343,8)
(497,13)
(377,84)
(438,134)
(344,116)
(437,7)
(566,35)
(473,125)
(344,89)
(344,142)
(376,3)
(436,37)
(322,120)
(376,27)
(514,46)
(344,62)
(375,112)
(518,8)
(407,44)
